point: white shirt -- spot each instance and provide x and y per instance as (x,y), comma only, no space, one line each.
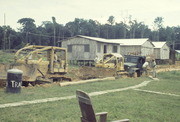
(145,64)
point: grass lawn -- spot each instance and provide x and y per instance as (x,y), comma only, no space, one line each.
(135,105)
(6,57)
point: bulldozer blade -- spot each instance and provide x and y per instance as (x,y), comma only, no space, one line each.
(29,71)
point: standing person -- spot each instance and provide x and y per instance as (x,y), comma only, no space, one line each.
(55,57)
(145,67)
(153,67)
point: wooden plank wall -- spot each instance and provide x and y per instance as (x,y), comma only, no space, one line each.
(164,52)
(78,48)
(147,49)
(130,50)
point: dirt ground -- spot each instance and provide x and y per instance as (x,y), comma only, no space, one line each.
(84,73)
(165,68)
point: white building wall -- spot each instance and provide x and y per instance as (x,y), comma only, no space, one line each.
(130,50)
(147,49)
(143,50)
(78,48)
(157,53)
(165,52)
(109,48)
(162,53)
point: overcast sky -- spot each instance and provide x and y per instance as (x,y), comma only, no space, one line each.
(67,10)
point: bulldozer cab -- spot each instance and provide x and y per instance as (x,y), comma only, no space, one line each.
(112,60)
(58,61)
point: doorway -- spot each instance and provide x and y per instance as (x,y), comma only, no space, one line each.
(105,48)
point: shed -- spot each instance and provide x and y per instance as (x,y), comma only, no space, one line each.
(85,48)
(161,50)
(141,47)
(177,55)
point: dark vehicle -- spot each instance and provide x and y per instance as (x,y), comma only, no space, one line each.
(133,64)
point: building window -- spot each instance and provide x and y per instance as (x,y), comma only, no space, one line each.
(69,48)
(98,48)
(115,49)
(105,48)
(86,48)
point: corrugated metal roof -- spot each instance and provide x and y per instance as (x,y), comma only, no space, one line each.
(159,44)
(98,39)
(178,51)
(128,42)
(139,41)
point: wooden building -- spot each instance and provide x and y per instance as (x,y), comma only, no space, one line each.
(177,55)
(161,50)
(84,48)
(141,47)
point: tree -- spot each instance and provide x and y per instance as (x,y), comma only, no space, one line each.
(158,23)
(51,31)
(9,38)
(27,24)
(28,27)
(55,25)
(133,26)
(111,20)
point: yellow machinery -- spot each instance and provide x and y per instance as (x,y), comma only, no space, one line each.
(41,63)
(111,60)
(128,65)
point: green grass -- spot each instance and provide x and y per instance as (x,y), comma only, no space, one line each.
(135,105)
(6,57)
(169,83)
(40,92)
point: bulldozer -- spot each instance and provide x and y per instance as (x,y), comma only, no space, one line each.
(111,60)
(127,65)
(40,64)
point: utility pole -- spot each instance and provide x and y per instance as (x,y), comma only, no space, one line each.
(4,40)
(4,19)
(54,23)
(9,39)
(54,36)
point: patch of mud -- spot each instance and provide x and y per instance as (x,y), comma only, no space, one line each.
(93,72)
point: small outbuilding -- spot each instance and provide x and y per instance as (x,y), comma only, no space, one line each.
(161,50)
(85,48)
(177,55)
